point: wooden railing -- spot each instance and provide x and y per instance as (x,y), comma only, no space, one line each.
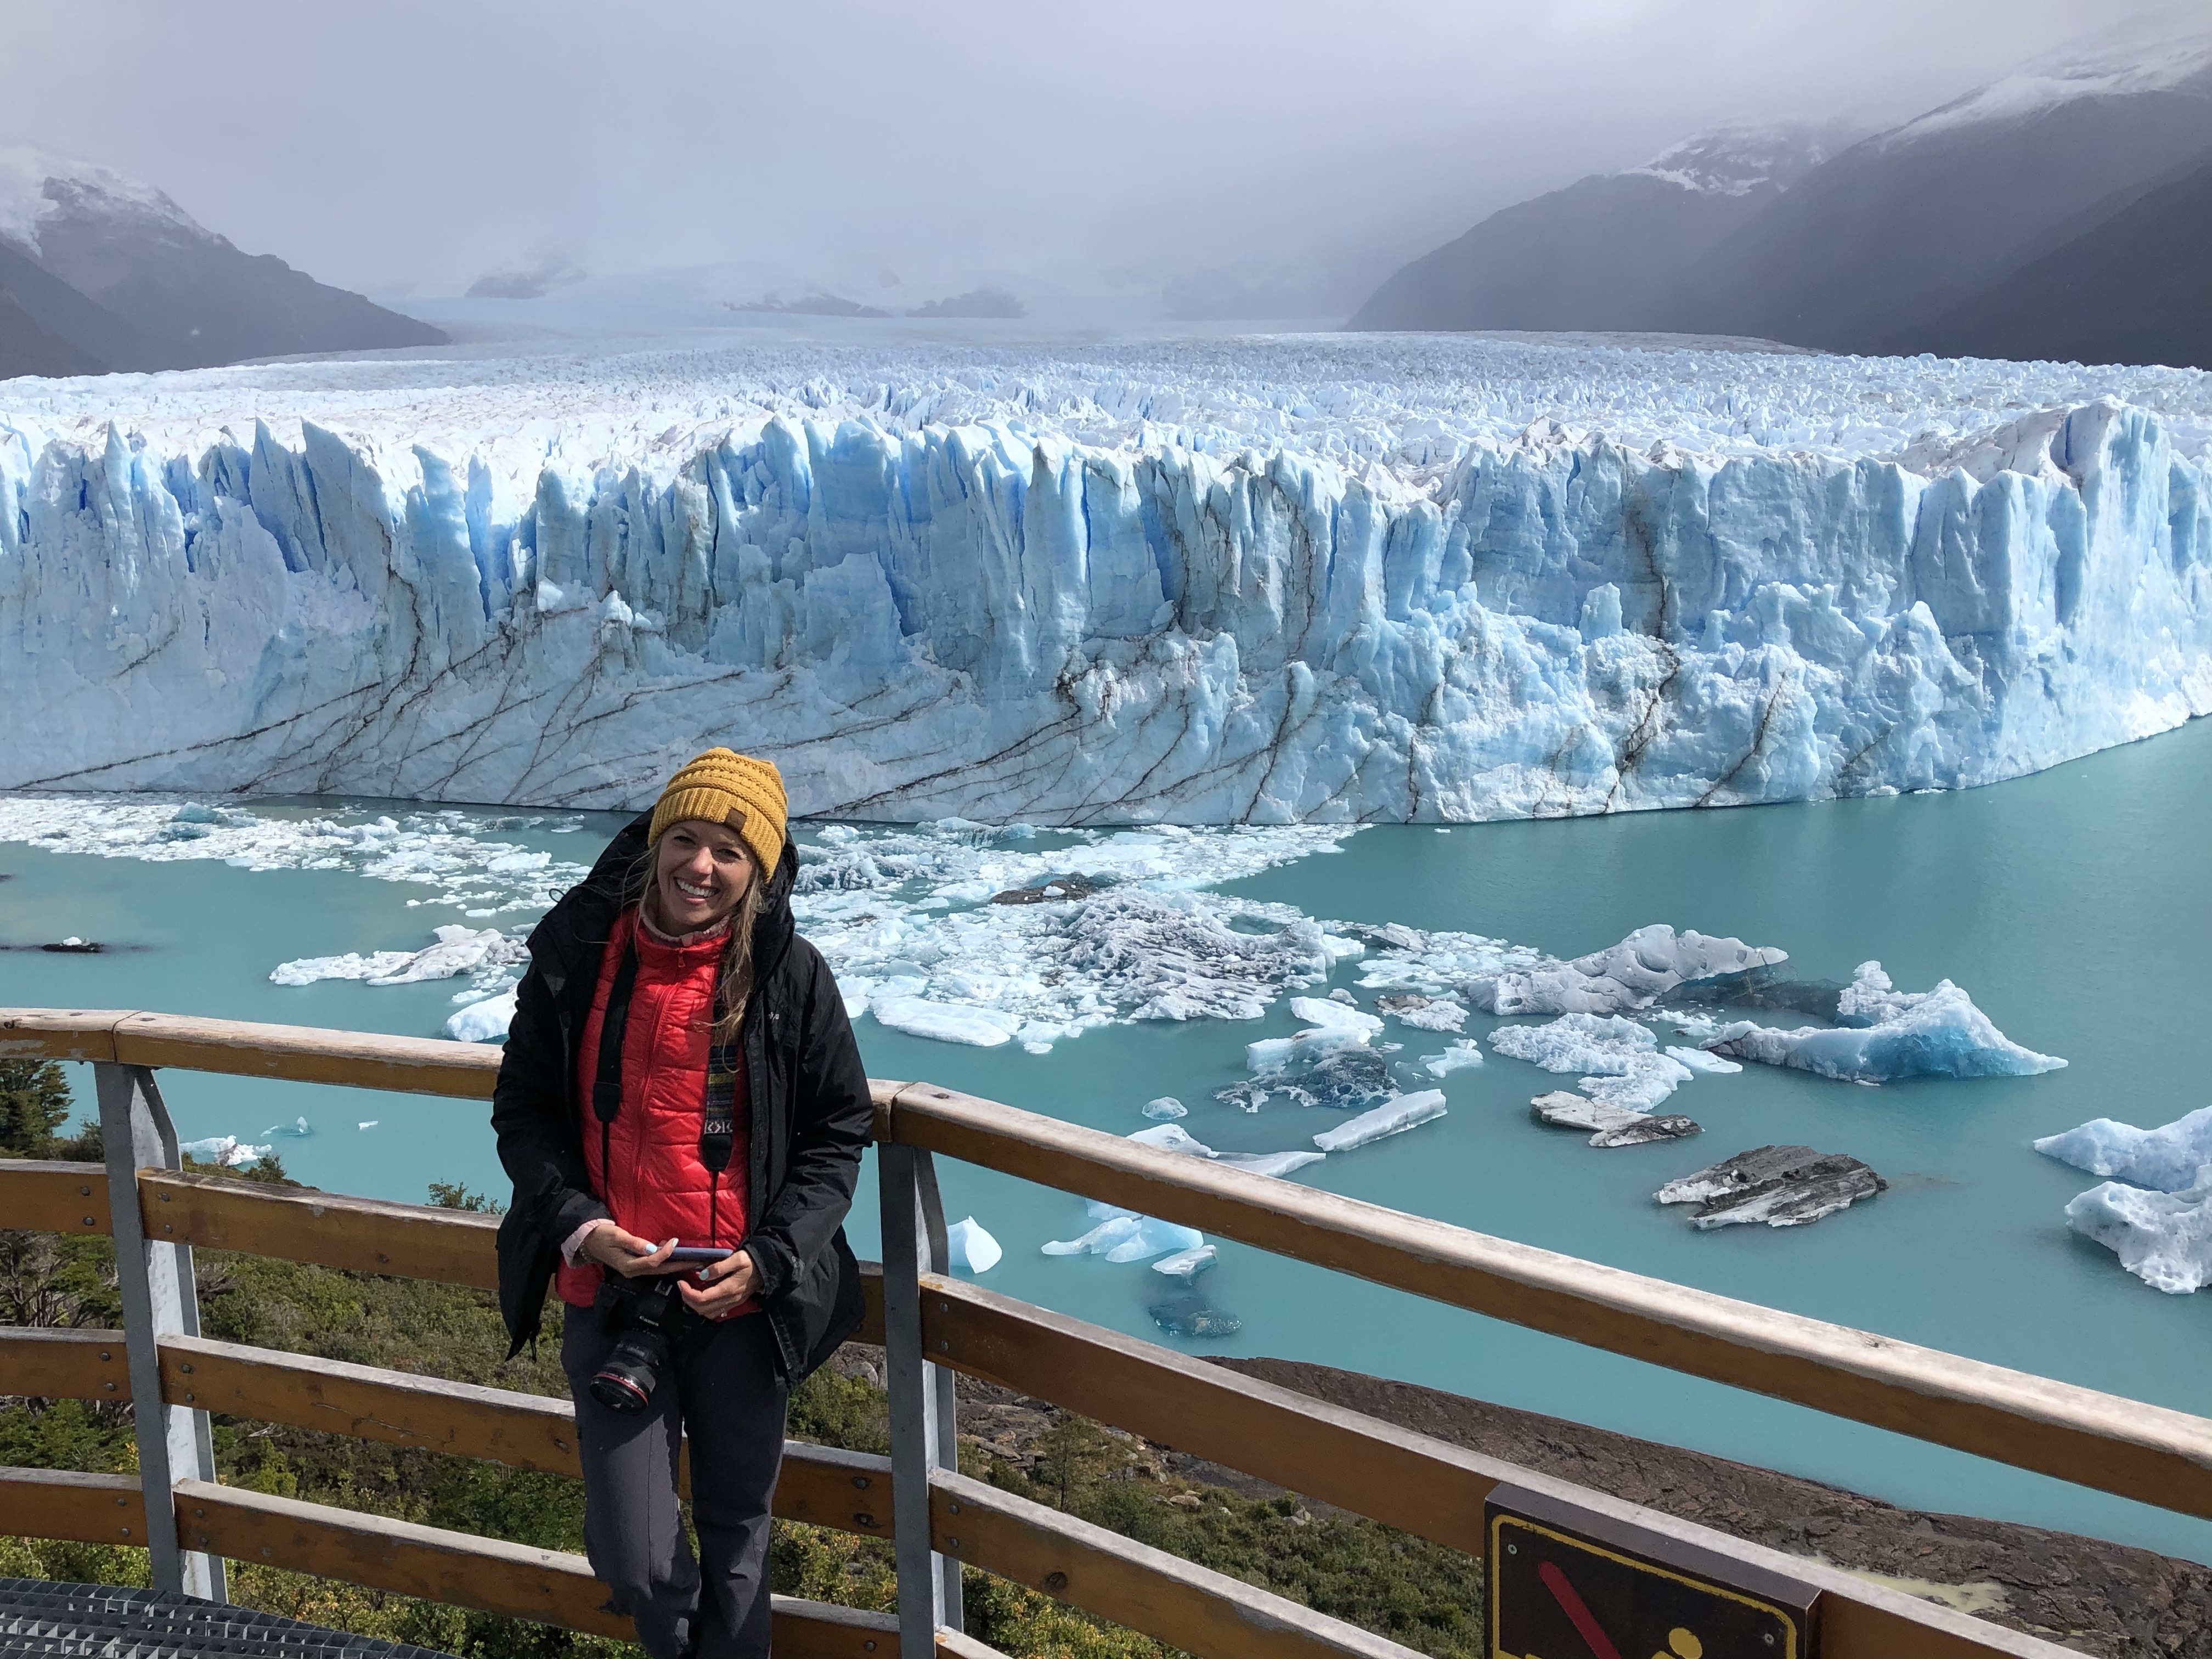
(931,1326)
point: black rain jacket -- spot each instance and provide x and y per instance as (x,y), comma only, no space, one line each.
(811,1114)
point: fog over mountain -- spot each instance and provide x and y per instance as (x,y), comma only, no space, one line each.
(2053,211)
(99,273)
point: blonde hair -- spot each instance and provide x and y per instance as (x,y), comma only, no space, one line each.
(734,981)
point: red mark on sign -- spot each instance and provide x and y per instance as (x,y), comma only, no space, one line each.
(1576,1611)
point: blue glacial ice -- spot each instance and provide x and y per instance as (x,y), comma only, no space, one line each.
(2156,1214)
(2165,1239)
(969,1249)
(1394,1117)
(1130,1238)
(1882,1033)
(1254,582)
(2169,1158)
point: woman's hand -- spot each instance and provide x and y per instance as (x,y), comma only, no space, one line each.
(722,1286)
(626,1253)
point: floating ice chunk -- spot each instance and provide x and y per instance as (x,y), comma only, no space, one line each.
(1328,1013)
(1619,1058)
(1887,1034)
(1633,974)
(1186,1265)
(2165,1239)
(983,1028)
(1267,1164)
(1391,1118)
(1700,1059)
(368,1123)
(1172,1138)
(299,1128)
(483,1022)
(1781,1185)
(1611,1126)
(1602,1044)
(459,951)
(1130,1238)
(969,1249)
(1423,1013)
(1458,1057)
(1165,1109)
(2170,1159)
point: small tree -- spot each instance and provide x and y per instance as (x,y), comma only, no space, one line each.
(35,1104)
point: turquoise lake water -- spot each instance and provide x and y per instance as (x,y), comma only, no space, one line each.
(2076,906)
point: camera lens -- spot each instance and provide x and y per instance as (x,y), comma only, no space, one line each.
(626,1379)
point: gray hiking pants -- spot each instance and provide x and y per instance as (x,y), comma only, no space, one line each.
(727,1396)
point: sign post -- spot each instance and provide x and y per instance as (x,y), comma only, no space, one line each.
(1566,1582)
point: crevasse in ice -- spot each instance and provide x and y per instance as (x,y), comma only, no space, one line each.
(1256,599)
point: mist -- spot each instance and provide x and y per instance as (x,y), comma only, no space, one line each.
(399,147)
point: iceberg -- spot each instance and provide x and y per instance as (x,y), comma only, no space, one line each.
(969,1249)
(1172,1138)
(1165,1109)
(1130,1238)
(983,1028)
(1424,1013)
(2168,1159)
(483,1022)
(1884,1034)
(1647,965)
(1609,1126)
(1331,1062)
(1186,1265)
(2163,1238)
(1253,582)
(1456,1057)
(458,950)
(1620,1058)
(1392,1117)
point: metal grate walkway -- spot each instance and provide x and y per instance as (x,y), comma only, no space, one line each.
(42,1620)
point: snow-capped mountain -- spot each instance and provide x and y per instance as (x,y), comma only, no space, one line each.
(1800,234)
(109,272)
(1872,245)
(1605,252)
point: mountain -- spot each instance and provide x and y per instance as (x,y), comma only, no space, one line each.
(1606,251)
(1914,221)
(133,281)
(2134,287)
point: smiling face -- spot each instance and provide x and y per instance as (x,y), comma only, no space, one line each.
(701,870)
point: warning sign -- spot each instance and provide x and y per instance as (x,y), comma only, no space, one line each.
(1572,1583)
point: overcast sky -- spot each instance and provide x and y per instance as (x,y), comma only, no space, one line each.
(391,144)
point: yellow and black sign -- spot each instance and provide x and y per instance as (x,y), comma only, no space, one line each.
(1570,1584)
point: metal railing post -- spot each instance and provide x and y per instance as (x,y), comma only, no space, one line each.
(923,1421)
(155,1281)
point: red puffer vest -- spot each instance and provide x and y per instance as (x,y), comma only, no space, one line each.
(660,1189)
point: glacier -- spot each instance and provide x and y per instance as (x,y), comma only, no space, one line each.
(1255,581)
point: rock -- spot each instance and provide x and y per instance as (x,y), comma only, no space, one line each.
(1059,890)
(1781,1185)
(1614,1126)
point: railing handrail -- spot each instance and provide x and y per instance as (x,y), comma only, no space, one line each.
(2153,1453)
(2162,1456)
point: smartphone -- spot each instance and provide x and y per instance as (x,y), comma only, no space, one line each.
(698,1255)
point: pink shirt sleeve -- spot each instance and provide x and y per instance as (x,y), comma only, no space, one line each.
(575,1239)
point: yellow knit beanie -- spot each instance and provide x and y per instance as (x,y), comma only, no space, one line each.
(719,785)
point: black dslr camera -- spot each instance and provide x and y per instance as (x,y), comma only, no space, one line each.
(651,1320)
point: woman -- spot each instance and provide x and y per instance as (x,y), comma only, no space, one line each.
(680,1076)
